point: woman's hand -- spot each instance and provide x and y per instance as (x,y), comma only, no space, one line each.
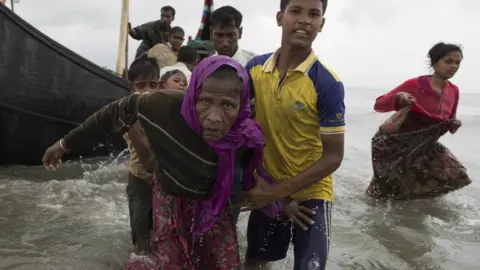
(455,124)
(53,156)
(299,214)
(403,99)
(260,196)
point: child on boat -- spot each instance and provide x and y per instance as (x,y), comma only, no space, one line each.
(198,139)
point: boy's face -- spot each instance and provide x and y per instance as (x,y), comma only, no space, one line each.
(176,40)
(301,21)
(225,39)
(145,84)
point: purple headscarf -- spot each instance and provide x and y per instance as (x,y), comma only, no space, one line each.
(244,132)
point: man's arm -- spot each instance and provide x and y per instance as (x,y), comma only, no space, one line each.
(331,108)
(108,123)
(141,32)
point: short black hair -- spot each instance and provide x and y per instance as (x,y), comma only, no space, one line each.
(177,29)
(226,16)
(187,55)
(284,4)
(168,8)
(143,66)
(227,72)
(441,49)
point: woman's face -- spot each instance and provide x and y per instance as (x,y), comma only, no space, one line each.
(448,65)
(177,81)
(218,106)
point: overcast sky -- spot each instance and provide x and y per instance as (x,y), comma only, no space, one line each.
(369,43)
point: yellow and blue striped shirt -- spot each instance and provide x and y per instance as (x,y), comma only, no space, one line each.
(293,112)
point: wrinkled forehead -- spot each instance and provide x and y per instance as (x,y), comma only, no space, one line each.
(225,29)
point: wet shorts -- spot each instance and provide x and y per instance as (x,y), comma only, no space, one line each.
(140,207)
(269,239)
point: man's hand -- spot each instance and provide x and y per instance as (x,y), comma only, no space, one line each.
(53,156)
(403,99)
(260,196)
(299,214)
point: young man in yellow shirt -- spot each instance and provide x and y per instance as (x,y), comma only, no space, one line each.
(300,108)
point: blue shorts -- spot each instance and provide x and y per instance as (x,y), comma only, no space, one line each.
(269,239)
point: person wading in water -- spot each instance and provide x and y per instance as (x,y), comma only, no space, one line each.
(300,108)
(408,161)
(198,138)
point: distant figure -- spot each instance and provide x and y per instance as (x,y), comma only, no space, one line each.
(186,61)
(226,32)
(408,161)
(153,33)
(166,53)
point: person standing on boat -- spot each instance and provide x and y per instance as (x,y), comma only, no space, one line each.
(143,77)
(226,30)
(198,138)
(166,53)
(300,108)
(426,109)
(153,33)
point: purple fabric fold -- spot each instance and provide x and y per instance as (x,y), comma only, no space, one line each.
(244,132)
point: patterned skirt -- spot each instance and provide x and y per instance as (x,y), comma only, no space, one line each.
(413,165)
(175,248)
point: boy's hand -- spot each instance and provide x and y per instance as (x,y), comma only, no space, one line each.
(299,214)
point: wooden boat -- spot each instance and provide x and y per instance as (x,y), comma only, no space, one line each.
(45,91)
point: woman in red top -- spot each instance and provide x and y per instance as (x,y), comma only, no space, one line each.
(408,161)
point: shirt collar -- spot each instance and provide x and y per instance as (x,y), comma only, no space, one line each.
(271,63)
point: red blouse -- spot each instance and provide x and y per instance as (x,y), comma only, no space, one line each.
(430,103)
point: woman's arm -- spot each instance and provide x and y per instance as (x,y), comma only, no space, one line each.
(141,32)
(108,123)
(457,123)
(388,102)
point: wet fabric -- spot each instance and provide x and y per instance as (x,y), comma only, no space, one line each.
(139,195)
(176,248)
(244,132)
(269,238)
(413,165)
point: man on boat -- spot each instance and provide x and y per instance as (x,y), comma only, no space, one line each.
(300,108)
(226,29)
(155,32)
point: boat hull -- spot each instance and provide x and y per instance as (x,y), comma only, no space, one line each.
(45,91)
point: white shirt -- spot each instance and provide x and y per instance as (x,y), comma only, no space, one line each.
(242,56)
